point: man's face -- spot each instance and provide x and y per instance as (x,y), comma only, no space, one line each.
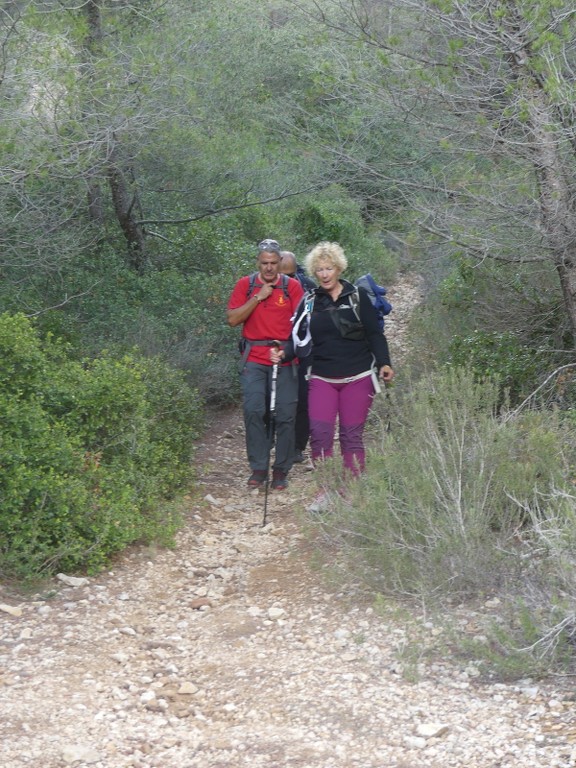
(268,266)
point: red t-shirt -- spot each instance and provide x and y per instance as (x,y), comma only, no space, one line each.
(271,318)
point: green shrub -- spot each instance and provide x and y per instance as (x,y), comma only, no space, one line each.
(516,365)
(336,217)
(460,502)
(179,316)
(23,362)
(326,218)
(91,453)
(174,414)
(460,479)
(195,336)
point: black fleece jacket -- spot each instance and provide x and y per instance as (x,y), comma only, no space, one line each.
(334,356)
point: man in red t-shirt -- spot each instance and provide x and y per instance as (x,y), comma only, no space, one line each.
(265,306)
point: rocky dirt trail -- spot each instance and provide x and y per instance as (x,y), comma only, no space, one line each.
(233,649)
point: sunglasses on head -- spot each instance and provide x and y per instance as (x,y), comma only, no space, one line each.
(264,245)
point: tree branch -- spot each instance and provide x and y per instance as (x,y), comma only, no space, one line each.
(217,211)
(63,303)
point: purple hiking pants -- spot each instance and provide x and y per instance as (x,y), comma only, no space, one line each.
(349,403)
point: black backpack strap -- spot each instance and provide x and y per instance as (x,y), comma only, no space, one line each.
(284,279)
(252,283)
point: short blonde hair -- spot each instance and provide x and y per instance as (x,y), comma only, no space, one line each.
(333,253)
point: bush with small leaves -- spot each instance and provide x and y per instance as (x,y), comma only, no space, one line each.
(92,453)
(500,355)
(461,500)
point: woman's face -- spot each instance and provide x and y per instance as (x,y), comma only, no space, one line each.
(327,275)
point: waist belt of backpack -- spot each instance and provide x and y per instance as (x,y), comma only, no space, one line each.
(249,343)
(345,379)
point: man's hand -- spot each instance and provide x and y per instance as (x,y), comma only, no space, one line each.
(276,354)
(264,292)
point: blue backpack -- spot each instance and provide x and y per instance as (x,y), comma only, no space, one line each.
(376,293)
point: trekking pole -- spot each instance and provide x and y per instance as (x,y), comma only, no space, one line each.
(387,388)
(270,435)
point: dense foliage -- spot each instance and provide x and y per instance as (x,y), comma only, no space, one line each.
(155,157)
(92,452)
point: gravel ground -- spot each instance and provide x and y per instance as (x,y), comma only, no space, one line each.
(234,649)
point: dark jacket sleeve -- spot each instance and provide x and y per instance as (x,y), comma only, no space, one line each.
(376,340)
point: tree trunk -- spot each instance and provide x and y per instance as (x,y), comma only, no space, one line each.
(126,205)
(124,200)
(558,218)
(91,48)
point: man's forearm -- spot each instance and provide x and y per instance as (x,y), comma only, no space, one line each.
(240,314)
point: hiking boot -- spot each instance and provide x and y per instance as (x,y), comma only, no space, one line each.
(299,457)
(257,478)
(279,481)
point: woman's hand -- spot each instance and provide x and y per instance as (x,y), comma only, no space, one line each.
(386,374)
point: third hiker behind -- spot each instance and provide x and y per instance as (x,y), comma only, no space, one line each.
(289,266)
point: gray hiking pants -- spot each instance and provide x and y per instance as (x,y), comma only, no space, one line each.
(256,382)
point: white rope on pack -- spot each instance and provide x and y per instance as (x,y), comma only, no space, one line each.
(301,336)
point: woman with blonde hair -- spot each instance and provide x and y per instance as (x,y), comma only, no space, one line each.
(348,352)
